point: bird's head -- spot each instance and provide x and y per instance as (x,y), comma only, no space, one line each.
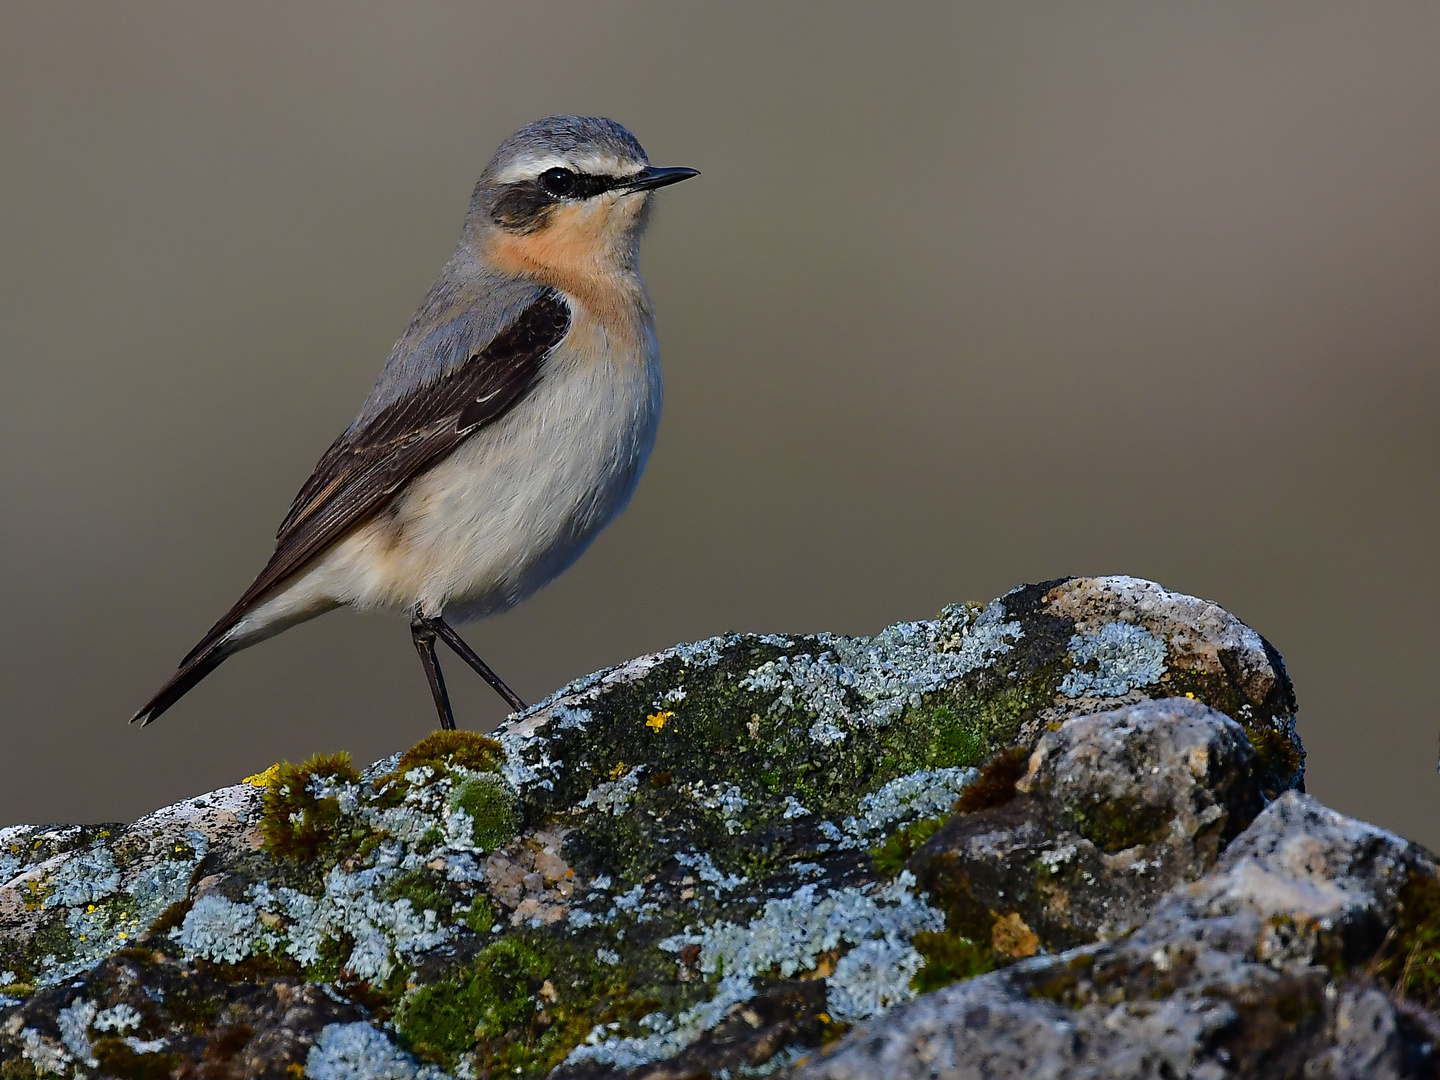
(566,195)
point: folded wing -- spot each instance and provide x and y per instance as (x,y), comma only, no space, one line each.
(366,466)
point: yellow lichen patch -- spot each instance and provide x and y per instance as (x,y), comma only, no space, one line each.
(1011,937)
(262,779)
(618,771)
(656,721)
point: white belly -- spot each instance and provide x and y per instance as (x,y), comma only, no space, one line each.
(507,510)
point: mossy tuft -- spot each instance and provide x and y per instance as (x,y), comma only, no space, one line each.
(492,806)
(295,823)
(1117,824)
(496,994)
(996,783)
(481,916)
(891,856)
(425,889)
(452,749)
(949,957)
(1410,961)
(1277,758)
(953,742)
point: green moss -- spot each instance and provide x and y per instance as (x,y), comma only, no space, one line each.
(193,1006)
(425,889)
(333,954)
(173,916)
(481,916)
(949,957)
(19,1068)
(953,741)
(1280,761)
(1409,963)
(891,856)
(1277,759)
(1117,824)
(118,1060)
(448,749)
(996,783)
(495,994)
(51,941)
(257,967)
(294,823)
(493,808)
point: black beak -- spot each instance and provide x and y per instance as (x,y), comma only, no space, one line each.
(652,177)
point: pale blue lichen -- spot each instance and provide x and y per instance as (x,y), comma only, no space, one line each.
(44,1054)
(145,1046)
(350,906)
(613,796)
(358,1051)
(709,652)
(105,905)
(85,877)
(792,931)
(709,873)
(872,977)
(217,928)
(1114,660)
(74,1024)
(866,683)
(726,798)
(518,768)
(920,794)
(120,1018)
(787,936)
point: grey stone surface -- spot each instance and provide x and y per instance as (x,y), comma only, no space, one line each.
(1115,809)
(1255,970)
(704,862)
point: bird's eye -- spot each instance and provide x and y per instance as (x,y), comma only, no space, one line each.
(558,182)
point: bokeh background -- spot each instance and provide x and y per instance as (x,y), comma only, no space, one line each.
(967,296)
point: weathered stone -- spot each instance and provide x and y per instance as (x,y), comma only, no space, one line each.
(1257,970)
(1116,809)
(691,863)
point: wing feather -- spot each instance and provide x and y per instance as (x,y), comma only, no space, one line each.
(361,470)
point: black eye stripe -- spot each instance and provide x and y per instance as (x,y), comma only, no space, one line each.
(523,205)
(565,184)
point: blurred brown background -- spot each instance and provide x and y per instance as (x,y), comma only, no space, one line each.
(966,297)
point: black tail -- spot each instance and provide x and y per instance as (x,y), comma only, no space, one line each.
(195,667)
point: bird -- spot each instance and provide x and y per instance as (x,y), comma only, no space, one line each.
(509,424)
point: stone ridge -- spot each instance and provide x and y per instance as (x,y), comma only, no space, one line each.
(709,859)
(1262,968)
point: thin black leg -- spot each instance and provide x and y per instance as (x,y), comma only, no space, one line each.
(424,638)
(456,642)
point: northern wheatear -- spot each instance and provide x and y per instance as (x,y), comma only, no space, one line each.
(509,425)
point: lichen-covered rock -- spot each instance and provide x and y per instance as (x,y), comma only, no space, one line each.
(1114,810)
(1263,968)
(691,863)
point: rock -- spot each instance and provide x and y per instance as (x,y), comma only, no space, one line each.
(1114,810)
(710,859)
(1258,969)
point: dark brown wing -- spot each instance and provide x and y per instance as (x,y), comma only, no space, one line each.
(361,470)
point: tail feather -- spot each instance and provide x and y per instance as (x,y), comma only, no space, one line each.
(195,668)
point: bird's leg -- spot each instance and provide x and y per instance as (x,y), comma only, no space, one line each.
(424,638)
(455,641)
